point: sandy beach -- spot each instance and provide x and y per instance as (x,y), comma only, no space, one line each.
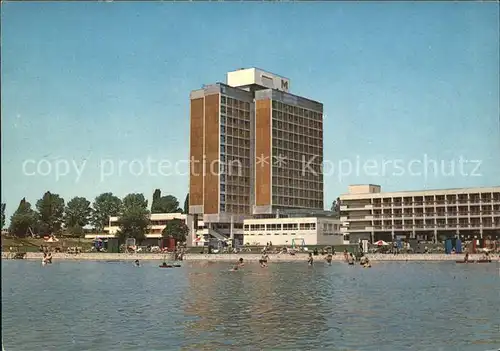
(246,257)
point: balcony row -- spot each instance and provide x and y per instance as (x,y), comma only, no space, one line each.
(420,227)
(354,207)
(420,215)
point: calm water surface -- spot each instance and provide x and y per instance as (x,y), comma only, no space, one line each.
(117,306)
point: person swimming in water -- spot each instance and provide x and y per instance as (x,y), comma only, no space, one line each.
(310,259)
(263,260)
(351,259)
(238,265)
(365,262)
(47,258)
(328,259)
(137,264)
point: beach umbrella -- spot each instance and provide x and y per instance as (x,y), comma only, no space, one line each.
(380,243)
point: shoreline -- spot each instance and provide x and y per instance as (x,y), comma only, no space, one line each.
(248,257)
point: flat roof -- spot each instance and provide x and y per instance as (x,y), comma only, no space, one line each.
(295,218)
(424,191)
(298,96)
(260,69)
(265,88)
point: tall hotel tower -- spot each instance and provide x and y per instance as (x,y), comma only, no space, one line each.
(255,149)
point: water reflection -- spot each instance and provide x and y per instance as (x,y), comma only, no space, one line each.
(275,306)
(116,306)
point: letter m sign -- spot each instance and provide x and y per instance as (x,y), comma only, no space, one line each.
(284,85)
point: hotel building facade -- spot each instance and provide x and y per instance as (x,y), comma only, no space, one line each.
(430,215)
(293,230)
(255,150)
(158,222)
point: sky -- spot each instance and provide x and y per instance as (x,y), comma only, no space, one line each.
(89,86)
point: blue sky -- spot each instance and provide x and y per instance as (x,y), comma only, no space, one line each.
(104,82)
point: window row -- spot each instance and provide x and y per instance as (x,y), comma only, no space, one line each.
(297,183)
(226,100)
(296,110)
(302,158)
(229,179)
(294,120)
(235,150)
(234,170)
(234,123)
(290,166)
(235,199)
(297,202)
(230,208)
(245,134)
(297,159)
(235,112)
(235,189)
(462,221)
(431,211)
(297,193)
(233,164)
(296,142)
(328,227)
(235,140)
(280,226)
(312,138)
(312,172)
(294,129)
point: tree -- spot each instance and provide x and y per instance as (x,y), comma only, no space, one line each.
(77,212)
(22,219)
(134,201)
(50,213)
(105,205)
(77,215)
(155,204)
(134,220)
(186,204)
(164,204)
(76,230)
(176,229)
(2,219)
(336,207)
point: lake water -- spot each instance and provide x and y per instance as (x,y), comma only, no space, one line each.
(287,306)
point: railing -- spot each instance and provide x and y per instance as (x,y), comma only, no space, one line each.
(216,234)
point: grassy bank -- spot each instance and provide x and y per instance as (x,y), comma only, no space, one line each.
(33,245)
